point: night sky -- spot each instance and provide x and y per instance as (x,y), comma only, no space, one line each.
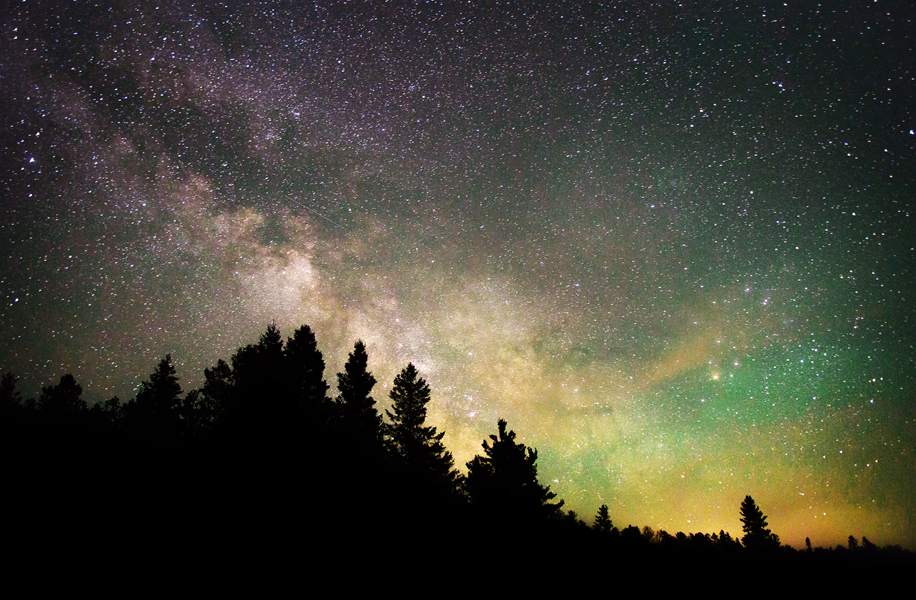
(672,244)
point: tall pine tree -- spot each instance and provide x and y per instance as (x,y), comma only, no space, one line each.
(359,419)
(260,398)
(305,365)
(416,446)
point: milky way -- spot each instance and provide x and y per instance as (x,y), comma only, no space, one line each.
(671,244)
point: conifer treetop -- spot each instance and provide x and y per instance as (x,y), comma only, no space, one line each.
(416,444)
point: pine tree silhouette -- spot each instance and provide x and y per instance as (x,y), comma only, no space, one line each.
(360,420)
(260,393)
(63,398)
(305,365)
(160,396)
(603,523)
(754,524)
(216,395)
(10,398)
(504,481)
(110,411)
(415,445)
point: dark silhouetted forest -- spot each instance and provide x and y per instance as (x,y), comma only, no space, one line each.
(261,465)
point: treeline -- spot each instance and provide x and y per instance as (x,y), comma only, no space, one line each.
(262,452)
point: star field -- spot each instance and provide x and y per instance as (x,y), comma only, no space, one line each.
(672,244)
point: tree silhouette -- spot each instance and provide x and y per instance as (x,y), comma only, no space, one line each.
(417,447)
(110,411)
(572,521)
(504,481)
(726,542)
(215,397)
(197,414)
(360,420)
(754,524)
(9,395)
(159,397)
(633,537)
(260,395)
(249,472)
(305,366)
(603,523)
(648,533)
(63,398)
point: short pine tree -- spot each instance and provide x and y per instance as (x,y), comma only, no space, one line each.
(9,395)
(63,398)
(504,481)
(156,409)
(159,396)
(603,523)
